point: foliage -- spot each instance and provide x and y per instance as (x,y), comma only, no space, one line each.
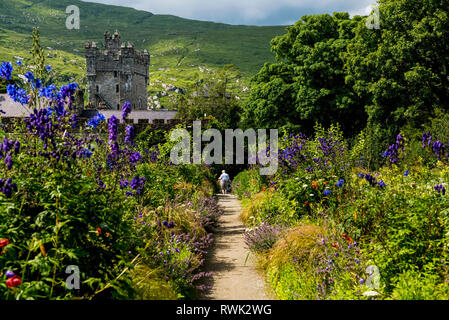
(262,237)
(414,285)
(307,83)
(80,195)
(394,219)
(209,98)
(400,70)
(247,183)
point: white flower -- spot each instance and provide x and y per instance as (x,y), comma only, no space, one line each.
(311,195)
(371,293)
(305,186)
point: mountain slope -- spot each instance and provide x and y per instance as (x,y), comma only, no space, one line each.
(168,38)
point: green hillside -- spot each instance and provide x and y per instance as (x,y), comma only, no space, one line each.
(173,42)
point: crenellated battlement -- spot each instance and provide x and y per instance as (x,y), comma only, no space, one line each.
(117,74)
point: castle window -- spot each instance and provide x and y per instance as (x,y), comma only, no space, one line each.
(115,74)
(96,87)
(117,88)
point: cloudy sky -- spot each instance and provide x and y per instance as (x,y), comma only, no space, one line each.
(250,12)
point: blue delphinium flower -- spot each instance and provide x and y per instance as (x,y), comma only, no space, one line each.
(48,92)
(17,147)
(6,70)
(17,94)
(393,151)
(135,157)
(437,148)
(8,162)
(126,110)
(440,189)
(361,175)
(48,68)
(381,184)
(7,187)
(372,180)
(129,135)
(36,83)
(19,62)
(113,126)
(340,183)
(327,192)
(95,121)
(124,183)
(406,173)
(426,137)
(29,76)
(136,184)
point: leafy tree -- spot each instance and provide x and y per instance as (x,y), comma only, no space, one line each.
(307,83)
(209,98)
(402,69)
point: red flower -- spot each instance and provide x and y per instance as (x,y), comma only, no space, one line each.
(13,282)
(98,230)
(335,245)
(4,243)
(306,203)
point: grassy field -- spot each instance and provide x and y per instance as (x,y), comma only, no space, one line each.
(181,49)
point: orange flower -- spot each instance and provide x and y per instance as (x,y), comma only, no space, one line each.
(4,243)
(325,182)
(108,234)
(98,230)
(348,238)
(314,185)
(44,253)
(335,245)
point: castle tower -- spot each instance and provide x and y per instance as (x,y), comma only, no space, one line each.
(117,74)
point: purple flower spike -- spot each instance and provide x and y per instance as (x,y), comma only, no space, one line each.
(126,110)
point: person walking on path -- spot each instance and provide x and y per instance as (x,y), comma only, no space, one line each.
(224,182)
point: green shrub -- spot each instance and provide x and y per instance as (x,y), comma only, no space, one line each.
(413,285)
(247,183)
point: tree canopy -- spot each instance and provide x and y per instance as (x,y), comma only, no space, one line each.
(307,83)
(334,69)
(402,69)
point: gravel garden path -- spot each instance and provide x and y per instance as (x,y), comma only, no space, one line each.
(232,278)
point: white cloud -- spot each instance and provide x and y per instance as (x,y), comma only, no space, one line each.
(243,11)
(363,11)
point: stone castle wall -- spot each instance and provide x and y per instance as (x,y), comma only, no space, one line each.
(117,74)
